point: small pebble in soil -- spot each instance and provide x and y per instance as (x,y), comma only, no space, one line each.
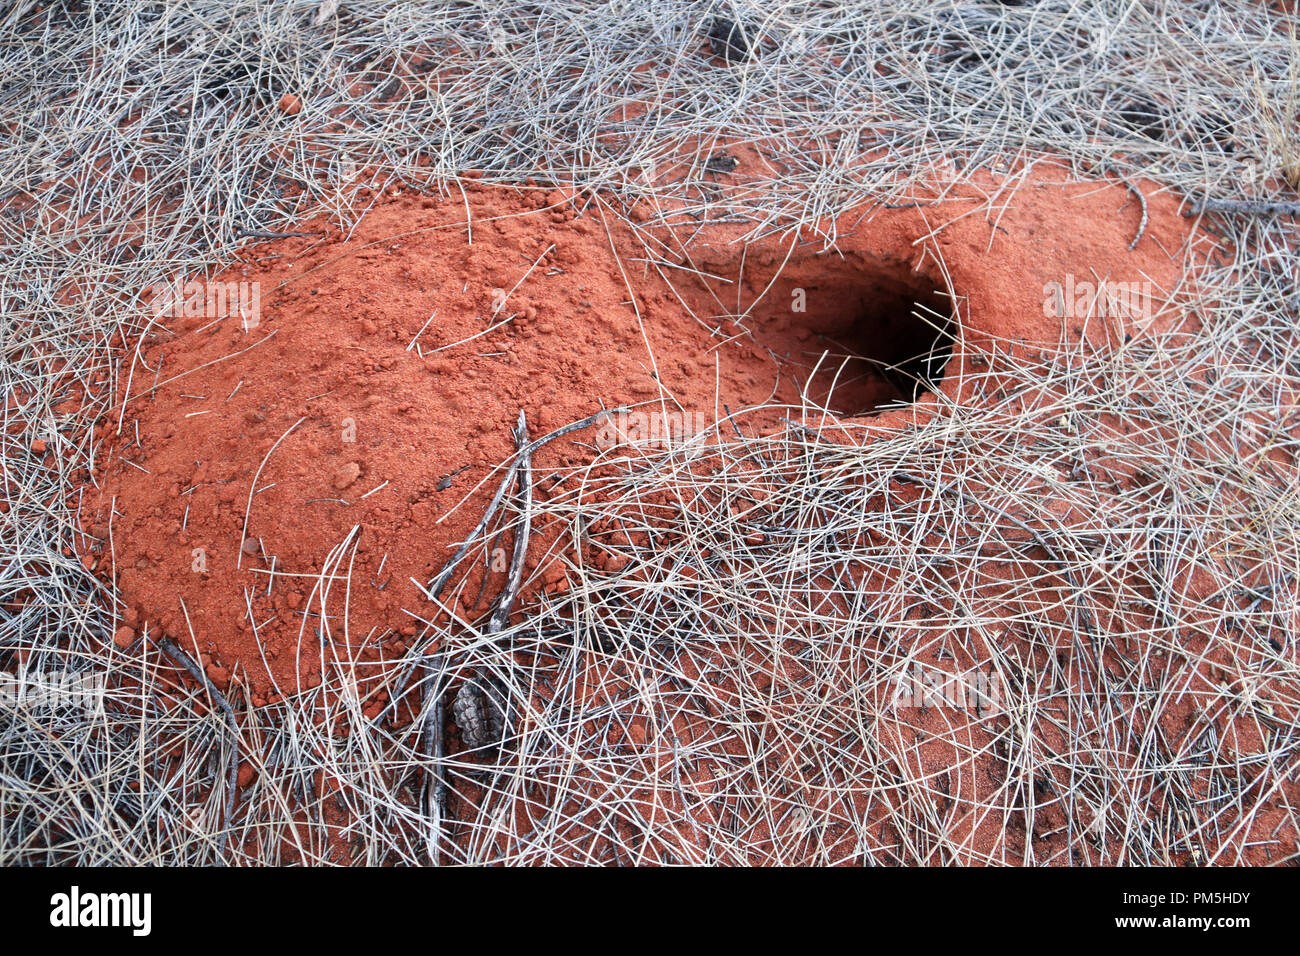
(290,104)
(723,163)
(729,40)
(347,475)
(1145,117)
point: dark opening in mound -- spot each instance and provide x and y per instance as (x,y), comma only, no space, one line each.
(857,333)
(891,335)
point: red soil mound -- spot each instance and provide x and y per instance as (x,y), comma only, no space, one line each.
(376,381)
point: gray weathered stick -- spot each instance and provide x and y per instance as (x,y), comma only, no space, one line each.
(1246,207)
(170,648)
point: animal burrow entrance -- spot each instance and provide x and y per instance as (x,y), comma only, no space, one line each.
(856,334)
(378,390)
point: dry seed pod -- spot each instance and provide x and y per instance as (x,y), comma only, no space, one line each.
(479,711)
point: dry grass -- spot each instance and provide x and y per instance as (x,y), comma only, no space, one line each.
(728,696)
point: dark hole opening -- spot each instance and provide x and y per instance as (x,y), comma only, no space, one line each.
(869,335)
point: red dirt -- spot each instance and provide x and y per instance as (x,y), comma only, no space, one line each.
(322,405)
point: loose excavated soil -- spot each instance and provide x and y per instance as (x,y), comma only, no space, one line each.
(323,416)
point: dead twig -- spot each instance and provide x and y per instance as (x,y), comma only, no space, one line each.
(170,648)
(1246,207)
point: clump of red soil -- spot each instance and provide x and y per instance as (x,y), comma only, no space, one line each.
(378,384)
